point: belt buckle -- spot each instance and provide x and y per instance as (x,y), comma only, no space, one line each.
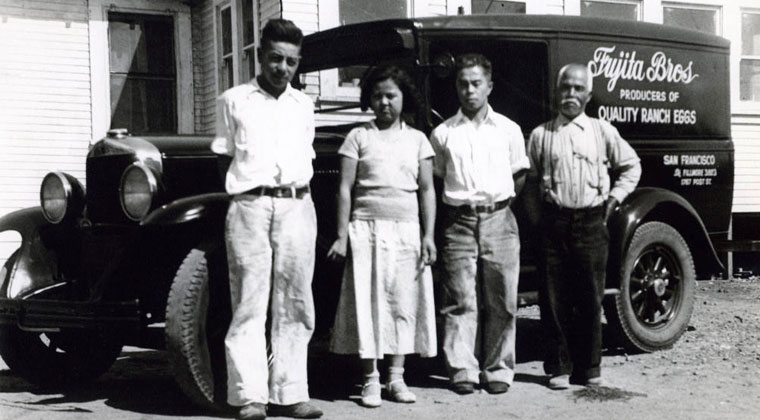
(489,208)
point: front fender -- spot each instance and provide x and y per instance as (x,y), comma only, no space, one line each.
(33,264)
(650,203)
(187,209)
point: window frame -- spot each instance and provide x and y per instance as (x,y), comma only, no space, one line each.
(248,51)
(697,6)
(523,2)
(221,56)
(329,80)
(638,3)
(100,95)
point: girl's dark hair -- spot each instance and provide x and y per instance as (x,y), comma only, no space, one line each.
(281,30)
(402,80)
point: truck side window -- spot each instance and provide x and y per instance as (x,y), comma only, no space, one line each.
(520,76)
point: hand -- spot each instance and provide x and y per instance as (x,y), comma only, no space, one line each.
(337,251)
(609,207)
(429,252)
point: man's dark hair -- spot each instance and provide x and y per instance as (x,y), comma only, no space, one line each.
(471,60)
(281,30)
(402,80)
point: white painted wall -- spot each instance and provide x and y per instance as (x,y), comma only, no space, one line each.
(45,99)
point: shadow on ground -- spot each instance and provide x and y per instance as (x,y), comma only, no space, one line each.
(140,381)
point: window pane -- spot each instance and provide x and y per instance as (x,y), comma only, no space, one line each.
(700,20)
(226,31)
(749,80)
(226,76)
(248,22)
(353,11)
(750,33)
(497,7)
(141,44)
(142,73)
(626,11)
(143,106)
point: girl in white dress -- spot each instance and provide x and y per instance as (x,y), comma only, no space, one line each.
(386,302)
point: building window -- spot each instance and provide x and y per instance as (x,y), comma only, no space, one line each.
(354,11)
(749,68)
(226,55)
(703,19)
(497,7)
(614,9)
(250,39)
(143,78)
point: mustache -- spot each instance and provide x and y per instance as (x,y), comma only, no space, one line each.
(573,101)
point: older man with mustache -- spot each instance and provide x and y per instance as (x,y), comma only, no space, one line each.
(572,159)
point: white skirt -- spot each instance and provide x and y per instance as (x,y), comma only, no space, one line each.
(386,301)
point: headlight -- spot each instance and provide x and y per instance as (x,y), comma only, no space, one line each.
(137,191)
(61,197)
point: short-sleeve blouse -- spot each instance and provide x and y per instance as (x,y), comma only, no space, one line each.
(387,169)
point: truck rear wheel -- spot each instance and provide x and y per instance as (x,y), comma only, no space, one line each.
(657,290)
(64,358)
(197,318)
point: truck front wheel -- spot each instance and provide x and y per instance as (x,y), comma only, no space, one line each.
(197,318)
(657,290)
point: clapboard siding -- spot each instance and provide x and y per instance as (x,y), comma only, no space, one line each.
(269,9)
(45,99)
(204,66)
(746,134)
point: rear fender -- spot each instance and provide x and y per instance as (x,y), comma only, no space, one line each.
(197,207)
(33,265)
(647,204)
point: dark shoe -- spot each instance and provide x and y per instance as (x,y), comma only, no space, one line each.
(302,410)
(463,388)
(558,382)
(496,387)
(252,411)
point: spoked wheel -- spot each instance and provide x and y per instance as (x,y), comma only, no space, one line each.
(655,286)
(657,290)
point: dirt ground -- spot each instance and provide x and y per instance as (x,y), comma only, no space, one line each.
(713,372)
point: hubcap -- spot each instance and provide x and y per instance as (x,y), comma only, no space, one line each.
(655,286)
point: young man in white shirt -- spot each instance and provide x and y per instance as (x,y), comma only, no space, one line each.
(265,130)
(480,155)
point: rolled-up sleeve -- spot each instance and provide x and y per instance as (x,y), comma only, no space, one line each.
(518,159)
(624,162)
(533,151)
(224,141)
(439,160)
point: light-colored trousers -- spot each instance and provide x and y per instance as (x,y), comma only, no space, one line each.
(270,253)
(481,258)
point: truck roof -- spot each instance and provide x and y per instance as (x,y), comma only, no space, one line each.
(393,36)
(571,25)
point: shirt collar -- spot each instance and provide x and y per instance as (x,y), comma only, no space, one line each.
(580,121)
(461,118)
(255,87)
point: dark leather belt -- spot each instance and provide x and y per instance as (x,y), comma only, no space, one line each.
(482,208)
(570,212)
(280,192)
